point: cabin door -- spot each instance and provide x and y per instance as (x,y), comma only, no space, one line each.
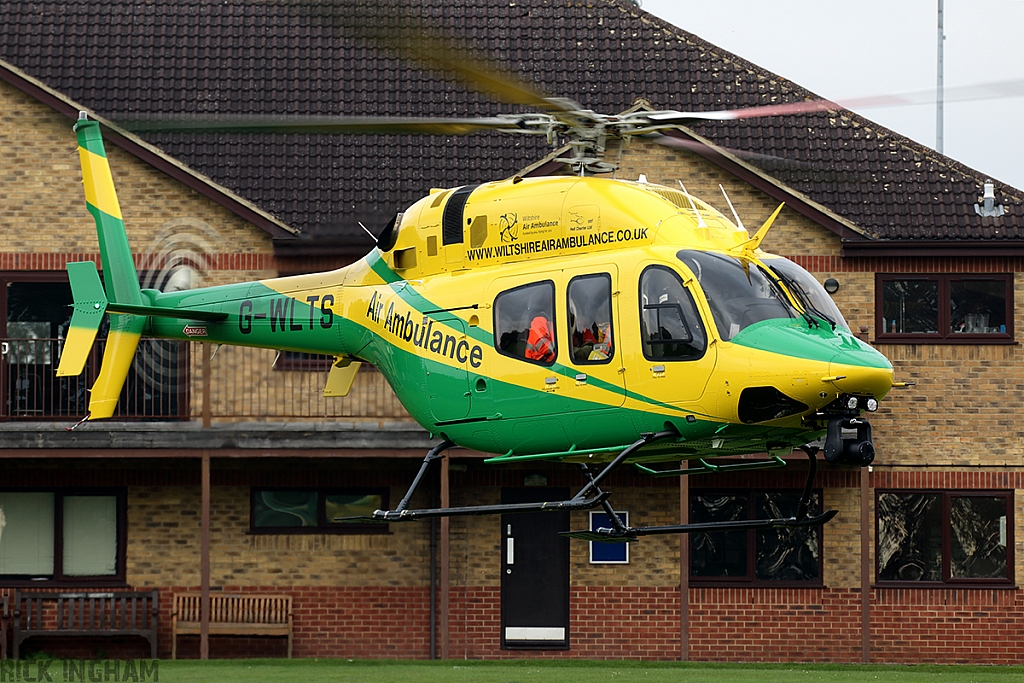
(534,573)
(447,381)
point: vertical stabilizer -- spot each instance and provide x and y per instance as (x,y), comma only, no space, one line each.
(121,281)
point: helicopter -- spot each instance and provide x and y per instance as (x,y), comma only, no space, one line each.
(592,321)
(579,319)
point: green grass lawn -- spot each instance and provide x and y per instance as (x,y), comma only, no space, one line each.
(529,671)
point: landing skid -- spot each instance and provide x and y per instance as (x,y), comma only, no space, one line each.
(591,496)
(619,532)
(588,497)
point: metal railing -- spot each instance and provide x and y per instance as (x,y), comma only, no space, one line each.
(260,384)
(166,379)
(156,388)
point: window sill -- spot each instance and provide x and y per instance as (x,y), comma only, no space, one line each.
(78,584)
(756,584)
(931,585)
(908,340)
(382,531)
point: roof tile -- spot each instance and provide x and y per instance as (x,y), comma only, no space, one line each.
(238,56)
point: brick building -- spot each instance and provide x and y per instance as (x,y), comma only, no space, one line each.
(190,483)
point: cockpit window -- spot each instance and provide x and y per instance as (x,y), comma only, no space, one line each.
(805,287)
(739,292)
(670,327)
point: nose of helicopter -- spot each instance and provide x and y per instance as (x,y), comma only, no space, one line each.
(862,371)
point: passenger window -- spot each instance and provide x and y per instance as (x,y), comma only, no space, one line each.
(524,323)
(590,319)
(670,327)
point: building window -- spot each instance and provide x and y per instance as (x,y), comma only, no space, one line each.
(773,556)
(300,361)
(524,323)
(36,315)
(944,308)
(62,535)
(316,511)
(945,536)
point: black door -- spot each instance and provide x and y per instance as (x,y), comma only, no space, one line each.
(534,573)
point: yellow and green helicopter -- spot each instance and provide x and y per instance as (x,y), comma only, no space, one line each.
(576,319)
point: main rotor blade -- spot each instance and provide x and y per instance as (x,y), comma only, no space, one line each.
(967,93)
(330,125)
(760,160)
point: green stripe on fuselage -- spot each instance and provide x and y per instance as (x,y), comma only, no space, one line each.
(427,308)
(795,338)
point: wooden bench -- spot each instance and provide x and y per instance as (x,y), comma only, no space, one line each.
(233,615)
(116,613)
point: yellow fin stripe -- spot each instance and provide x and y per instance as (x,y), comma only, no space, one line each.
(77,348)
(117,359)
(99,185)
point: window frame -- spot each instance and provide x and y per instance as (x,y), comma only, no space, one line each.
(751,580)
(554,322)
(128,410)
(945,335)
(322,527)
(611,319)
(705,330)
(58,579)
(947,495)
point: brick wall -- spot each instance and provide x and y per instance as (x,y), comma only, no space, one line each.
(367,596)
(775,625)
(914,626)
(44,208)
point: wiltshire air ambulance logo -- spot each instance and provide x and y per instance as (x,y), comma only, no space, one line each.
(509,227)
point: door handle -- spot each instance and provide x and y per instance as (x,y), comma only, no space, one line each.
(510,546)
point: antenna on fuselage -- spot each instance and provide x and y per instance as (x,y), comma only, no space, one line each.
(700,218)
(754,242)
(731,207)
(366,230)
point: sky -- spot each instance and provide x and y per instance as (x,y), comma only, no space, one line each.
(845,51)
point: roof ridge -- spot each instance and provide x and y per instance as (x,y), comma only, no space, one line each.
(906,143)
(723,54)
(152,151)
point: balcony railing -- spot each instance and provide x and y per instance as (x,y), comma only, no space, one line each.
(166,382)
(259,384)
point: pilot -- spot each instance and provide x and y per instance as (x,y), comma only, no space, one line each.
(540,345)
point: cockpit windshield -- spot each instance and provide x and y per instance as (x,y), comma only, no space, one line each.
(807,290)
(739,292)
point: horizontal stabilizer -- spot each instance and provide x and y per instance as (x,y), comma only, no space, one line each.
(86,316)
(342,376)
